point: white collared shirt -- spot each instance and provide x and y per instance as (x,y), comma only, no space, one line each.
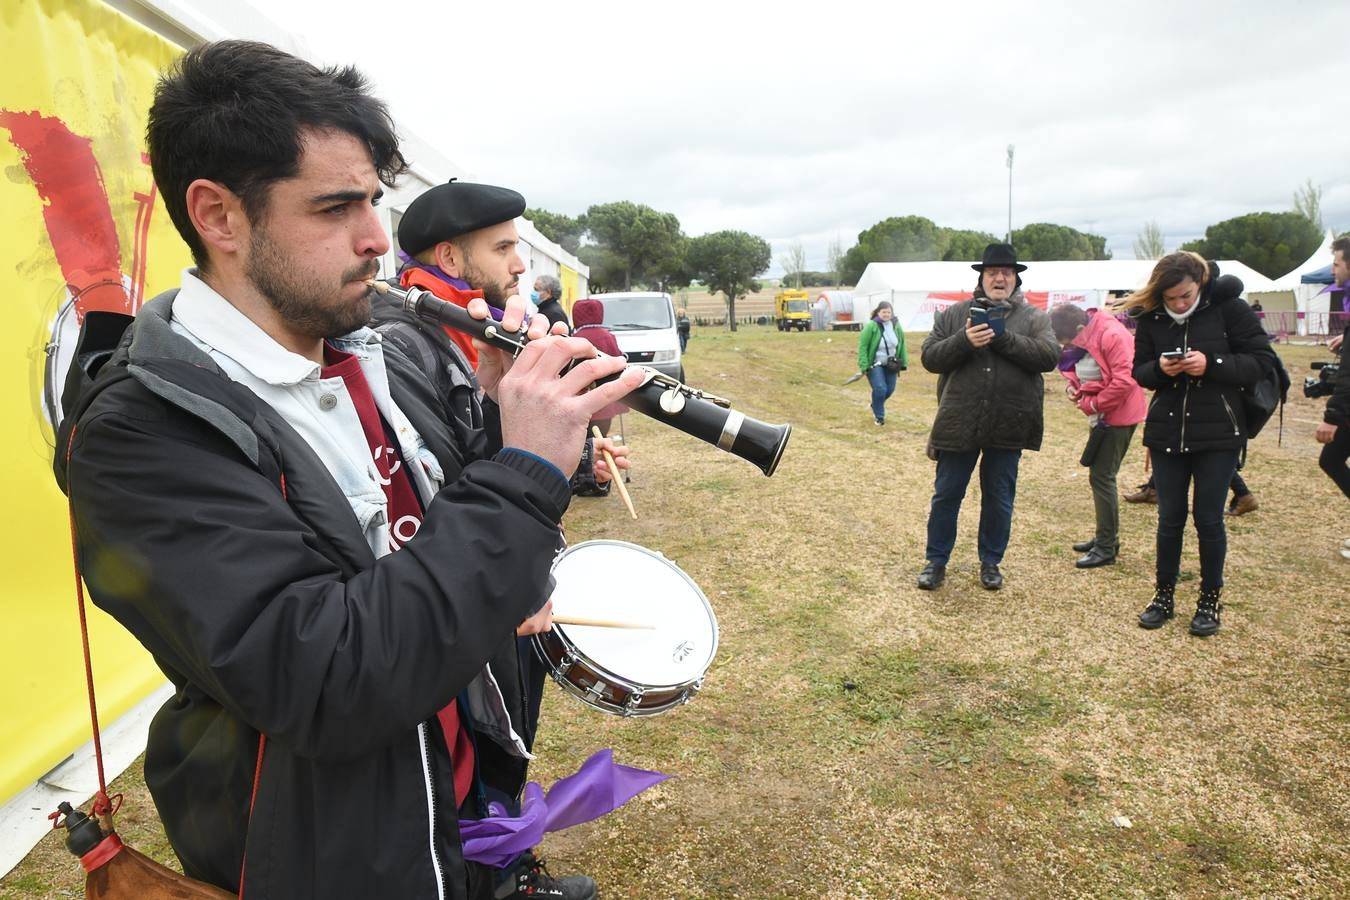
(319,409)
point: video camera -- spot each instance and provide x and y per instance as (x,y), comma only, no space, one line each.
(1323,384)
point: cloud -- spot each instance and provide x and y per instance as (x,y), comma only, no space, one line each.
(807,121)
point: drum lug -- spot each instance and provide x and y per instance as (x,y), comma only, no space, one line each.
(633,702)
(566,663)
(596,691)
(694,688)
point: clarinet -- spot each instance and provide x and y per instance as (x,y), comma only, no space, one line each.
(695,412)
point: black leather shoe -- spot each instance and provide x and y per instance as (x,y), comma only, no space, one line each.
(1094,558)
(932,576)
(990,577)
(1084,546)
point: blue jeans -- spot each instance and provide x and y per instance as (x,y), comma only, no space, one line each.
(883,385)
(998,487)
(1173,473)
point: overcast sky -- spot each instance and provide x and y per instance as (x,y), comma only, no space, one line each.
(814,121)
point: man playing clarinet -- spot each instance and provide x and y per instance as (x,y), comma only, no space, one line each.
(269,499)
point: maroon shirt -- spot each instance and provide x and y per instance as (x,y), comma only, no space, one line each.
(405,516)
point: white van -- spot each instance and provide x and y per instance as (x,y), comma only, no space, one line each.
(644,325)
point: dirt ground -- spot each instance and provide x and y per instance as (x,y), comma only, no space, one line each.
(857,737)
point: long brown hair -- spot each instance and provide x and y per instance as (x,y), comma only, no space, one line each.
(1171,270)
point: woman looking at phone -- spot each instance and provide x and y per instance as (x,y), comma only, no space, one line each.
(881,354)
(1196,346)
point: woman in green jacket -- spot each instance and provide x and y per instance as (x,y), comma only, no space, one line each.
(881,354)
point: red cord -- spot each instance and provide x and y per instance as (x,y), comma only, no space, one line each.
(102,805)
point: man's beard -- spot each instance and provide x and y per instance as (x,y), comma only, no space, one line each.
(495,294)
(308,306)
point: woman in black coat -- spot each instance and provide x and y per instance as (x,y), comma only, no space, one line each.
(1197,346)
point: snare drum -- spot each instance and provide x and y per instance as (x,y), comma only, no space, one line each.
(628,671)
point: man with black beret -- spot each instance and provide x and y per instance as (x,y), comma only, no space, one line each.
(458,241)
(988,353)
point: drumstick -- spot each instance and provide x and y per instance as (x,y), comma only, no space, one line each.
(599,623)
(614,474)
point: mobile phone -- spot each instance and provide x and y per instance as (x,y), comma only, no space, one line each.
(1174,354)
(982,316)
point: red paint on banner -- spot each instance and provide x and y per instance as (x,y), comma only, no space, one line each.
(75,208)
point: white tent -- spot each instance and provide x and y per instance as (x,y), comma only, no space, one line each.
(1312,302)
(917,290)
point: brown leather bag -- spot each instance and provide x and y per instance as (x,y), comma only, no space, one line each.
(117,872)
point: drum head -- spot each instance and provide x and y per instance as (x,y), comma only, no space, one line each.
(619,581)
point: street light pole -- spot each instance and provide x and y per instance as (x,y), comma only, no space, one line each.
(1010,164)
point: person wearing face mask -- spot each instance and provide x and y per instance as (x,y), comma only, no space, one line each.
(1196,347)
(547,295)
(988,353)
(881,354)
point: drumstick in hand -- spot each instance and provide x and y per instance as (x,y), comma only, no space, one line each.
(614,475)
(598,623)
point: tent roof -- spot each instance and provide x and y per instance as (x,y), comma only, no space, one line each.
(1068,275)
(1315,263)
(1316,276)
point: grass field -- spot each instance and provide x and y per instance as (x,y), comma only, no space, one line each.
(857,737)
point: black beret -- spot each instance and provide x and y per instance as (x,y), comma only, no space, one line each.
(454,208)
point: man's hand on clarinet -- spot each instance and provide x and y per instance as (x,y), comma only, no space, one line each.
(544,410)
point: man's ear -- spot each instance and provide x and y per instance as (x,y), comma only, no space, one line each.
(218,215)
(449,259)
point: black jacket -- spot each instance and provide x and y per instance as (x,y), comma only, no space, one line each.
(211,531)
(993,397)
(553,311)
(1338,404)
(1190,414)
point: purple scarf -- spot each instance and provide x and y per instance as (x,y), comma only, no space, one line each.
(451,280)
(599,786)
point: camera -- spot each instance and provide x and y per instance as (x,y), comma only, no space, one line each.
(1323,384)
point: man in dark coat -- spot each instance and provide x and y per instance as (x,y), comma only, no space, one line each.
(261,493)
(547,295)
(989,353)
(1334,431)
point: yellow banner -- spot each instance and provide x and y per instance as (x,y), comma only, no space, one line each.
(570,283)
(82,229)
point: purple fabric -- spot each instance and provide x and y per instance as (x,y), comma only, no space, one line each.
(1070,357)
(599,786)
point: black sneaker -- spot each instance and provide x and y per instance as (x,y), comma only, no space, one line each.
(990,576)
(932,576)
(533,880)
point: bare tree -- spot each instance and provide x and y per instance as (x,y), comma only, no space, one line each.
(794,261)
(834,258)
(1308,203)
(1149,244)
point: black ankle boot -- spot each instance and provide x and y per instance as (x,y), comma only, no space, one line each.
(1207,609)
(1162,608)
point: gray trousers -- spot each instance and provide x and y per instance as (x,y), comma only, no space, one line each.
(1102,471)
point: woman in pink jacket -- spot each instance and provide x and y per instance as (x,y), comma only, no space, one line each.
(1098,362)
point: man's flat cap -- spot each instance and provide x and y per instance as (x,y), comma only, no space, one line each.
(454,208)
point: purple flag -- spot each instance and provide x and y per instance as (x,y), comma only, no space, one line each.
(599,786)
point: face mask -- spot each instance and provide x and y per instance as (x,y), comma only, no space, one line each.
(534,297)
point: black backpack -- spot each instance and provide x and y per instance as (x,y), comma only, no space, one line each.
(1261,399)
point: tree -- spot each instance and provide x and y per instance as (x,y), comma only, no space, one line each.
(965,245)
(607,270)
(1271,243)
(834,257)
(1043,240)
(728,261)
(794,261)
(852,264)
(644,241)
(1308,204)
(559,228)
(1149,244)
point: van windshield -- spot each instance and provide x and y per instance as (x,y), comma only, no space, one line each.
(637,313)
